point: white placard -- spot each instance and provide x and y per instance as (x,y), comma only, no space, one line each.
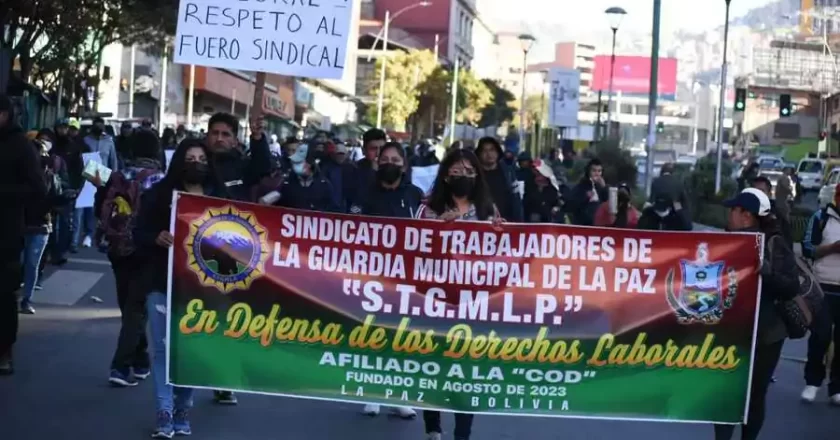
(424,177)
(564,96)
(88,192)
(305,38)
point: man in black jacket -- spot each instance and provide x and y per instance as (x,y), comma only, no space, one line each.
(500,178)
(238,170)
(21,184)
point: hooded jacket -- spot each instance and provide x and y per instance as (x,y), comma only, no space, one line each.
(779,282)
(104,145)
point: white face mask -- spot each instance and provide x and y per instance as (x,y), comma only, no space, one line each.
(299,168)
(663,213)
(47,145)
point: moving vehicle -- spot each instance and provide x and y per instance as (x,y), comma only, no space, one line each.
(811,172)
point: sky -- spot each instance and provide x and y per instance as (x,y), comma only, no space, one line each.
(676,14)
(582,17)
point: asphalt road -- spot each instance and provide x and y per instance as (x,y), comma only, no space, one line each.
(60,390)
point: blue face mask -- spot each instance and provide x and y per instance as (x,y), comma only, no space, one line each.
(299,168)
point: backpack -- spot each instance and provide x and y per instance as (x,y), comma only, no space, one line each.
(798,313)
(119,210)
(816,235)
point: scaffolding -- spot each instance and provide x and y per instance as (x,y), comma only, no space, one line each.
(796,66)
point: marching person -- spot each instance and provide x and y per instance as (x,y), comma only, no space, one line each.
(239,171)
(117,206)
(189,171)
(459,193)
(625,216)
(21,185)
(822,245)
(588,194)
(500,179)
(391,196)
(543,198)
(750,212)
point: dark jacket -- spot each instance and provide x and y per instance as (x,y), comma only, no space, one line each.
(21,184)
(402,201)
(668,186)
(779,282)
(335,173)
(70,150)
(154,217)
(581,208)
(364,177)
(540,204)
(676,220)
(501,181)
(240,171)
(316,196)
(38,212)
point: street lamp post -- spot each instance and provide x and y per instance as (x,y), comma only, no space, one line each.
(722,107)
(384,32)
(527,43)
(544,77)
(653,94)
(614,16)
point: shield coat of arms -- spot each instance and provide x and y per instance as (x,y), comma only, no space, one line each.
(700,296)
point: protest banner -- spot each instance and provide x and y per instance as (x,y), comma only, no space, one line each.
(306,38)
(546,320)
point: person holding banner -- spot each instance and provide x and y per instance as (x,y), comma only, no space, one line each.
(459,193)
(393,195)
(189,171)
(750,212)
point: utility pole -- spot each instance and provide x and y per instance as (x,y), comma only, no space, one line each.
(654,93)
(722,106)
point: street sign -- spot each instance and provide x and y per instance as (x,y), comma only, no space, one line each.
(564,97)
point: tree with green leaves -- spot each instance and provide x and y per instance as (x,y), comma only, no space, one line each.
(473,94)
(52,40)
(405,75)
(500,109)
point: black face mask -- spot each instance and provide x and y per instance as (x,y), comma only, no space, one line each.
(388,173)
(96,130)
(195,172)
(461,186)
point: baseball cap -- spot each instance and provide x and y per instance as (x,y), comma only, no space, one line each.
(751,200)
(74,123)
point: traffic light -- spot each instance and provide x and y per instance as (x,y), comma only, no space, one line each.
(784,106)
(740,100)
(660,127)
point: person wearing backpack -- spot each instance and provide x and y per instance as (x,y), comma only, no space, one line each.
(750,211)
(117,206)
(821,244)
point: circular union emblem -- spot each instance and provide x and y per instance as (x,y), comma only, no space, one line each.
(227,249)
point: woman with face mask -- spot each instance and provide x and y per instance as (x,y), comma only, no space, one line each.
(392,195)
(459,193)
(190,172)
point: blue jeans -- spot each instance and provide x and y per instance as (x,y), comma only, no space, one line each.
(84,225)
(33,250)
(168,397)
(62,234)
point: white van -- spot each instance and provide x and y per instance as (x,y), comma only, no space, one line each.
(811,172)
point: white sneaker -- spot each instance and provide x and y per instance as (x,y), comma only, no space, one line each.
(404,412)
(834,399)
(809,394)
(371,410)
(433,436)
(86,242)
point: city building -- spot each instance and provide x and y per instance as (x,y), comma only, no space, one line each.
(569,55)
(485,63)
(447,24)
(811,23)
(510,62)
